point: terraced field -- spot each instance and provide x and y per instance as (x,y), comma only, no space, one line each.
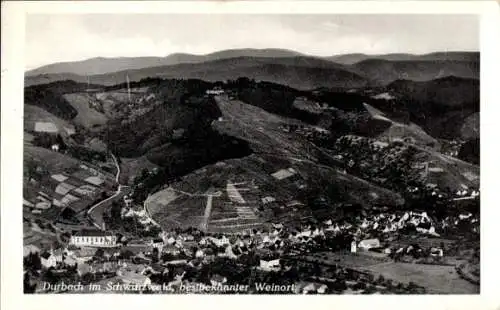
(243,183)
(54,181)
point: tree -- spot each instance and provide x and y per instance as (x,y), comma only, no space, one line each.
(99,253)
(381,279)
(32,262)
(156,254)
(88,278)
(116,210)
(28,287)
(126,254)
(50,277)
(339,285)
(389,283)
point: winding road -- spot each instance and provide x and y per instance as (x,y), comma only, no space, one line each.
(95,213)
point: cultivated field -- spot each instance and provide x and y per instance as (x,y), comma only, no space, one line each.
(435,278)
(346,259)
(34,114)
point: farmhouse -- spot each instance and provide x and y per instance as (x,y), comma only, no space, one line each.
(93,238)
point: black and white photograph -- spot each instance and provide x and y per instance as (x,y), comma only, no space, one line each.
(288,154)
(332,154)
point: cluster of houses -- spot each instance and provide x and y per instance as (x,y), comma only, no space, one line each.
(178,250)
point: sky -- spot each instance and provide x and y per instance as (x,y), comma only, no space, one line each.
(58,38)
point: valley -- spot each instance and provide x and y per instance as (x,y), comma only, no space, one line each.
(249,157)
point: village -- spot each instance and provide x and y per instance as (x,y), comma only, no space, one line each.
(306,257)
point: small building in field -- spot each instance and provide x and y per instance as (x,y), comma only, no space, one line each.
(93,238)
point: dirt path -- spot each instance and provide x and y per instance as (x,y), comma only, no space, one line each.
(95,213)
(208,211)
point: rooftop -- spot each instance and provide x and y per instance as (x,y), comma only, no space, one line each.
(92,233)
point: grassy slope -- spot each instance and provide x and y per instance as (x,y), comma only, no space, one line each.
(87,116)
(34,114)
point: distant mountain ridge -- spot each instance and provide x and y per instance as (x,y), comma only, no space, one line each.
(273,65)
(298,72)
(102,65)
(350,59)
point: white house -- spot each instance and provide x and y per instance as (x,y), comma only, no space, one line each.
(272,265)
(199,253)
(49,259)
(93,238)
